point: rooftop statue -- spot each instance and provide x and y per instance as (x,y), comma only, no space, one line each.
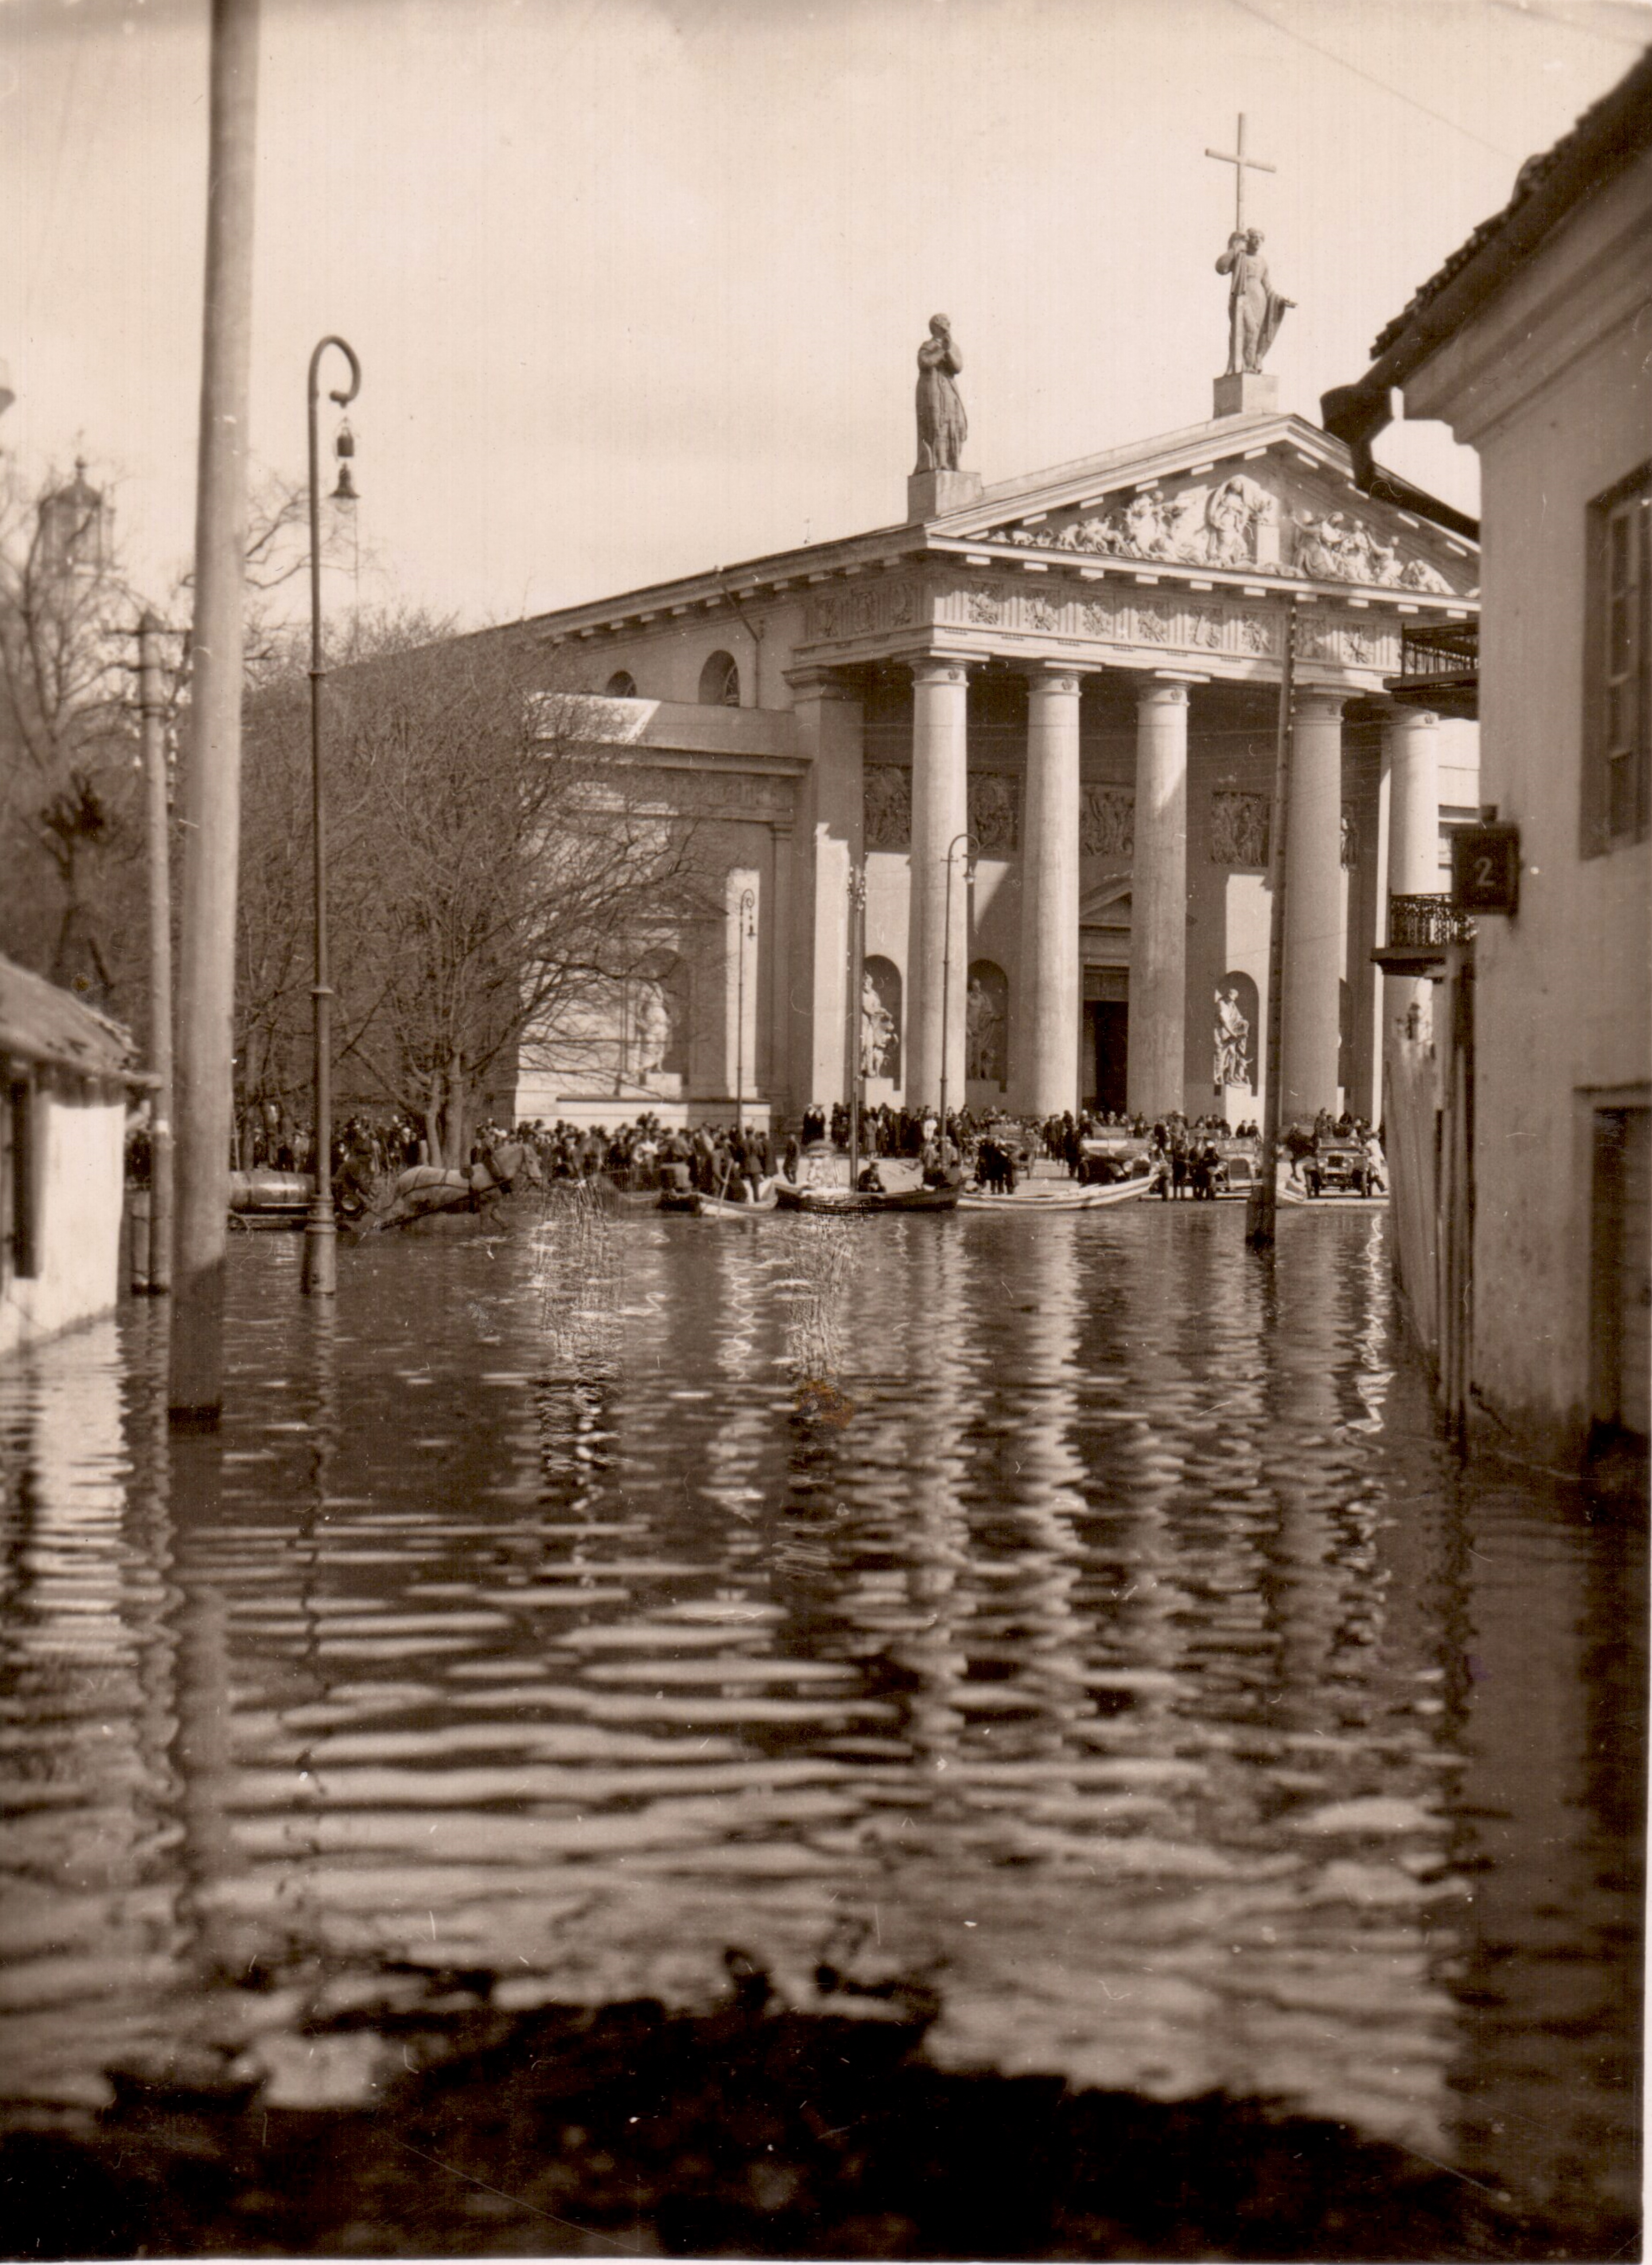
(1254,309)
(942,427)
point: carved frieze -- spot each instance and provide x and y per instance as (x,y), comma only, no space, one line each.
(1236,524)
(1350,639)
(745,794)
(1239,827)
(985,607)
(888,806)
(993,806)
(1257,633)
(861,609)
(1107,822)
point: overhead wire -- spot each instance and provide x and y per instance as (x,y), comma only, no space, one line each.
(1289,32)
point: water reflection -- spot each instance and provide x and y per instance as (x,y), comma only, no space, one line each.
(1068,1611)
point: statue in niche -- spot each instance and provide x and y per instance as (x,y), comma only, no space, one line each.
(1255,308)
(1351,841)
(878,1030)
(942,427)
(983,1033)
(888,806)
(1233,1041)
(653,1026)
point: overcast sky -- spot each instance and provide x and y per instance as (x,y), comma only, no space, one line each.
(637,285)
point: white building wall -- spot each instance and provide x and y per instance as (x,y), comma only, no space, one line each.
(1551,385)
(81,1189)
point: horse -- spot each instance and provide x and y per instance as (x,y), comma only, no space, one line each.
(422,1189)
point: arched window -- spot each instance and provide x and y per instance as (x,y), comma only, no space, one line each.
(986,1022)
(720,682)
(880,1019)
(621,686)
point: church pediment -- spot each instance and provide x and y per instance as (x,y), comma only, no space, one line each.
(1283,505)
(1106,906)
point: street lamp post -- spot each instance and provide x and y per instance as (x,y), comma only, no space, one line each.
(320,1275)
(971,850)
(749,900)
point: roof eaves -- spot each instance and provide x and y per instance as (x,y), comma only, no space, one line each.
(1607,137)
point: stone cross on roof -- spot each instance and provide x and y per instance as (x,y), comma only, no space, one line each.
(1241,165)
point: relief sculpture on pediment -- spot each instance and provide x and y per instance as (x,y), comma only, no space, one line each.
(1107,822)
(1236,524)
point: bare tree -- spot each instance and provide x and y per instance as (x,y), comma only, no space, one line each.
(71,830)
(493,868)
(67,744)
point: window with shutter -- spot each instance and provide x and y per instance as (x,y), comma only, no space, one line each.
(1618,733)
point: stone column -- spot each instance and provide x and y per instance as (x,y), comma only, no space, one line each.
(1045,1017)
(1313,914)
(1411,766)
(1157,1067)
(826,844)
(940,814)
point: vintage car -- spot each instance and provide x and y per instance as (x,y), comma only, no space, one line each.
(1336,1167)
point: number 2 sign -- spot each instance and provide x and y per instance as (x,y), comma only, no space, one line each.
(1486,868)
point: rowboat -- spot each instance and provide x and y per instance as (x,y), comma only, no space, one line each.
(833,1203)
(704,1207)
(1096,1199)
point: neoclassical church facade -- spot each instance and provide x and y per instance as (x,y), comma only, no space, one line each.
(1027,733)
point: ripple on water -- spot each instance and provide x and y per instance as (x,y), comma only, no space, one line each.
(1100,1630)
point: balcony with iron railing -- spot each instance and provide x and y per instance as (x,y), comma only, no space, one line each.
(1420,930)
(1439,667)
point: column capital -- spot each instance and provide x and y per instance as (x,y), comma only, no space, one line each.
(1402,716)
(1163,692)
(818,684)
(1323,706)
(939,668)
(1054,678)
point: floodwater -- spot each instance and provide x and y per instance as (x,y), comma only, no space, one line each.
(1071,1613)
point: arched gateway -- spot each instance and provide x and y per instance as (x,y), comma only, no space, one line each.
(1039,720)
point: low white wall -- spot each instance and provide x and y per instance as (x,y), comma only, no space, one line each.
(81,1188)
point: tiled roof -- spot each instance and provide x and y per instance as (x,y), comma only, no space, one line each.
(41,1023)
(1620,122)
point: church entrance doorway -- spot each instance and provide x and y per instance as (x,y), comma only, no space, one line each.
(1106,1039)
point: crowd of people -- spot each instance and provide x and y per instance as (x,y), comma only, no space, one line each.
(1186,1155)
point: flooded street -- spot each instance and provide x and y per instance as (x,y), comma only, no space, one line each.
(1070,1617)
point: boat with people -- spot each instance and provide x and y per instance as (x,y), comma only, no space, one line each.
(700,1204)
(1026,1201)
(842,1202)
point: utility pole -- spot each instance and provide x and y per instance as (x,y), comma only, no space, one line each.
(212,777)
(1262,1209)
(149,709)
(856,1033)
